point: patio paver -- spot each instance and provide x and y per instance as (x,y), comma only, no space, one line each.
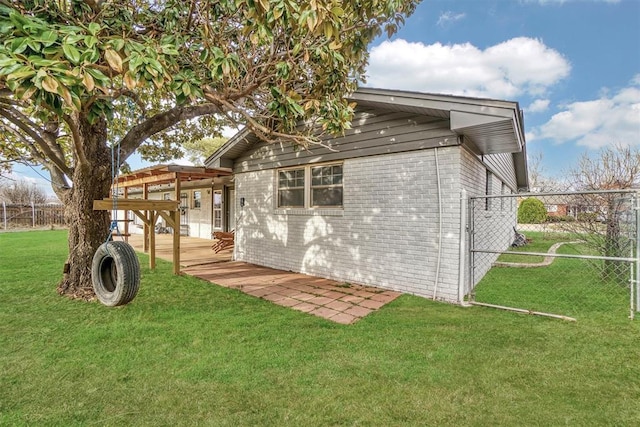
(339,302)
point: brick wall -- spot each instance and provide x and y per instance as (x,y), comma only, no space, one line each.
(386,235)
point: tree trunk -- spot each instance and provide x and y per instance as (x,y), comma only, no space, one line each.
(88,229)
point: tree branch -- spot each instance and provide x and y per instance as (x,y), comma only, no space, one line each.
(24,124)
(161,121)
(76,137)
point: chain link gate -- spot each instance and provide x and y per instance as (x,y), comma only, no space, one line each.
(565,255)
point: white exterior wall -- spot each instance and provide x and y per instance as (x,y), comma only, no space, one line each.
(200,218)
(493,222)
(386,235)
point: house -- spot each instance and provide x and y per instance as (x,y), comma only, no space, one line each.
(385,204)
(202,194)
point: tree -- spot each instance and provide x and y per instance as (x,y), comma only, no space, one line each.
(538,181)
(531,211)
(198,150)
(613,168)
(21,193)
(79,78)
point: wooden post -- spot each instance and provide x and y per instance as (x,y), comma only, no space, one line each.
(126,217)
(176,229)
(152,239)
(145,227)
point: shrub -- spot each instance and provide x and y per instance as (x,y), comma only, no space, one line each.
(531,211)
(588,217)
(560,218)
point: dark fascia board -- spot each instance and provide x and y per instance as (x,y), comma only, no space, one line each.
(442,102)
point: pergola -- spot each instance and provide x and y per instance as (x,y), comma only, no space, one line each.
(149,210)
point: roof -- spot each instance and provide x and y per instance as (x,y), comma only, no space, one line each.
(489,126)
(164,174)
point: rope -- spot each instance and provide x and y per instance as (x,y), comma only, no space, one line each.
(115,173)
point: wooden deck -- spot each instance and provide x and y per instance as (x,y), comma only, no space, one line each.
(193,251)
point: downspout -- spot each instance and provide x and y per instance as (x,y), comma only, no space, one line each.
(437,279)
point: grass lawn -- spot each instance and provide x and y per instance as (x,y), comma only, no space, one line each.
(186,352)
(540,242)
(571,287)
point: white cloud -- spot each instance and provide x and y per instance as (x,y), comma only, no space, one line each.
(597,123)
(507,70)
(449,17)
(538,106)
(39,181)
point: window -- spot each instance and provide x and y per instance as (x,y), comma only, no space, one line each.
(197,199)
(326,185)
(488,189)
(217,209)
(291,188)
(311,186)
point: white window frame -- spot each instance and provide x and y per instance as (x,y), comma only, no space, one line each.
(304,187)
(197,201)
(307,187)
(217,209)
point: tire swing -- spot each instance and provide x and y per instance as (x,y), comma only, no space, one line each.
(115,272)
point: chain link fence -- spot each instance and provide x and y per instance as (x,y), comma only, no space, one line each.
(31,216)
(568,255)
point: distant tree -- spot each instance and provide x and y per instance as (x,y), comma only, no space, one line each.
(198,150)
(21,193)
(531,211)
(80,78)
(539,182)
(613,168)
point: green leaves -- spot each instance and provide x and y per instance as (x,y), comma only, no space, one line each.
(283,62)
(71,53)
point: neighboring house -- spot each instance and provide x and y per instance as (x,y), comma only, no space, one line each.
(385,204)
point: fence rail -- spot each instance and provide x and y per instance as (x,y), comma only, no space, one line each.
(573,255)
(14,216)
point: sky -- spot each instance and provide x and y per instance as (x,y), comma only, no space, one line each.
(572,65)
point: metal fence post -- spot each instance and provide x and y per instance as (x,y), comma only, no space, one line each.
(637,262)
(4,214)
(470,253)
(33,215)
(463,245)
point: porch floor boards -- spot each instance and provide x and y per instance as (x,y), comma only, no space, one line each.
(339,302)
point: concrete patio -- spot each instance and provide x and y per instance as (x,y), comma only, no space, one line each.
(339,302)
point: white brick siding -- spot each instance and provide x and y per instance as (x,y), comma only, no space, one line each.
(386,235)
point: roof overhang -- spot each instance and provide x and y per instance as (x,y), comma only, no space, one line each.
(493,126)
(488,126)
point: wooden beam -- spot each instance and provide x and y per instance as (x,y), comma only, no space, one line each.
(136,204)
(176,229)
(126,216)
(150,179)
(145,227)
(152,240)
